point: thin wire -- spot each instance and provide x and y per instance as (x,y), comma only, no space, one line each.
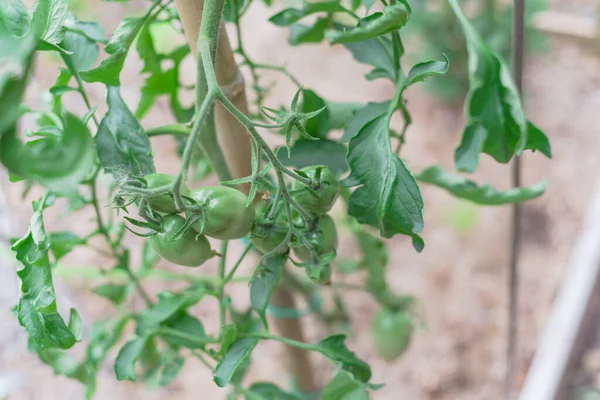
(513,280)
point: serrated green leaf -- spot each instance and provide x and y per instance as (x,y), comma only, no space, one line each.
(334,348)
(392,18)
(128,356)
(326,152)
(262,286)
(235,356)
(485,195)
(61,243)
(114,292)
(495,121)
(362,116)
(123,148)
(268,391)
(388,197)
(15,17)
(48,20)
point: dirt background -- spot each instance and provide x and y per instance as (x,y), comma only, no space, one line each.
(460,278)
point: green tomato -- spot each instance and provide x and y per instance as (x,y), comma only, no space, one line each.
(227,216)
(163,202)
(391,333)
(267,236)
(327,192)
(323,238)
(191,250)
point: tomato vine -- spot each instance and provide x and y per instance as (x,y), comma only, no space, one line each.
(283,218)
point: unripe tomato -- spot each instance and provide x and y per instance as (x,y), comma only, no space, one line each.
(267,236)
(163,202)
(391,333)
(191,250)
(323,238)
(327,192)
(227,216)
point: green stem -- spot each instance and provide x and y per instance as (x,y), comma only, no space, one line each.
(221,289)
(289,342)
(237,264)
(171,129)
(164,330)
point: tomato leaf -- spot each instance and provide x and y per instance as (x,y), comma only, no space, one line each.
(229,334)
(344,387)
(62,363)
(268,391)
(235,357)
(290,16)
(362,116)
(315,33)
(340,114)
(123,148)
(262,286)
(75,324)
(184,322)
(85,51)
(326,152)
(495,121)
(109,69)
(388,197)
(37,310)
(128,356)
(392,18)
(171,363)
(48,20)
(61,243)
(420,71)
(114,292)
(167,306)
(485,195)
(376,52)
(333,347)
(537,140)
(60,162)
(317,126)
(15,17)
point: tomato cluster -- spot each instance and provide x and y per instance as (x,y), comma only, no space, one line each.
(225,216)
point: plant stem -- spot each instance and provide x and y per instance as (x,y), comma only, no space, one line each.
(165,330)
(221,289)
(237,264)
(513,280)
(171,129)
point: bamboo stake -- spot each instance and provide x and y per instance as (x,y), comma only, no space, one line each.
(235,144)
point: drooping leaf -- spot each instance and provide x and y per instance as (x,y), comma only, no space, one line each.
(15,17)
(37,310)
(263,285)
(334,348)
(48,20)
(485,195)
(495,121)
(537,140)
(388,197)
(268,391)
(128,356)
(114,292)
(377,52)
(420,71)
(62,363)
(326,152)
(392,18)
(314,33)
(229,334)
(235,356)
(109,69)
(123,148)
(290,16)
(60,162)
(171,363)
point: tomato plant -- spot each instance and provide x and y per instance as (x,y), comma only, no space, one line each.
(272,199)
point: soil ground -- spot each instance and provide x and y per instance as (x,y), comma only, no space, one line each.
(460,278)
